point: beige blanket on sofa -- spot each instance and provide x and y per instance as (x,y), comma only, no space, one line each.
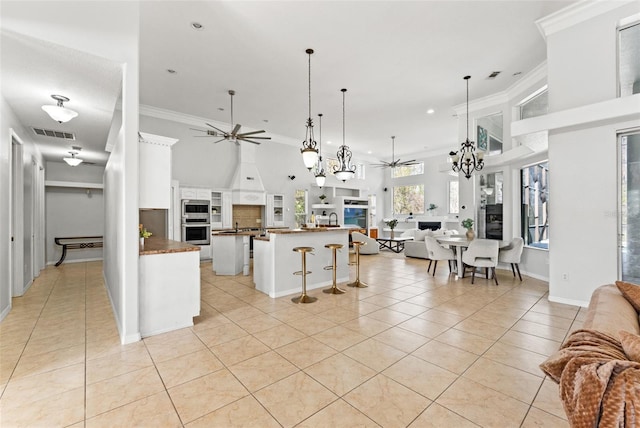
(599,386)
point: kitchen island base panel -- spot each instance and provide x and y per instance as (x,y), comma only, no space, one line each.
(169,291)
(274,261)
(230,254)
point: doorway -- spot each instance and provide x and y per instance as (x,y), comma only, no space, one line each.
(17,223)
(629,218)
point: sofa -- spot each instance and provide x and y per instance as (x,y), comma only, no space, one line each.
(598,366)
(417,247)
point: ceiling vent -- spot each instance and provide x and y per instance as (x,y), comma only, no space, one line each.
(494,75)
(54,134)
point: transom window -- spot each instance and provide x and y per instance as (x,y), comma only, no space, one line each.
(408,199)
(408,170)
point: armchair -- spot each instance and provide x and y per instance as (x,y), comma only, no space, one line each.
(371,245)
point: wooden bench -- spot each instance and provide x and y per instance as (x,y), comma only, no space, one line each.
(77,243)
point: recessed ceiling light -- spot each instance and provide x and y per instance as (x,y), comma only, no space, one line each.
(329,142)
(197,26)
(171,71)
(431,111)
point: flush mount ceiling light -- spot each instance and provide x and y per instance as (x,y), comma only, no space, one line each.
(320,174)
(73,160)
(59,112)
(308,150)
(344,170)
(394,162)
(466,160)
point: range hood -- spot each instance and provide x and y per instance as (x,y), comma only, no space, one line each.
(246,185)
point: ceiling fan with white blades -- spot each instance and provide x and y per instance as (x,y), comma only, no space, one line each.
(234,135)
(394,162)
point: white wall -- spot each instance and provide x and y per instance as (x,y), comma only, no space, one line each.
(9,123)
(73,211)
(583,159)
(110,30)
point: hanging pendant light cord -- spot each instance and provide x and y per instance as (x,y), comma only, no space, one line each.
(309,54)
(343,132)
(320,125)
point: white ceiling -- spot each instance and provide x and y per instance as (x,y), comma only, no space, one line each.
(397,60)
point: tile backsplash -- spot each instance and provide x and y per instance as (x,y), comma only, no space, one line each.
(247,216)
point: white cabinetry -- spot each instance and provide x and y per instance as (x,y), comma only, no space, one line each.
(155,171)
(221,209)
(275,211)
(195,193)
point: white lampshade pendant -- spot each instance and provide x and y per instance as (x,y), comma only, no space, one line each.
(344,170)
(59,112)
(308,150)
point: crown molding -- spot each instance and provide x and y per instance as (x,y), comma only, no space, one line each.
(576,14)
(539,73)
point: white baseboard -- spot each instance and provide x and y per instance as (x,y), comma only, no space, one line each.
(123,339)
(49,263)
(571,302)
(5,312)
(507,267)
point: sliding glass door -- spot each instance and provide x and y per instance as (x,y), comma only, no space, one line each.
(629,244)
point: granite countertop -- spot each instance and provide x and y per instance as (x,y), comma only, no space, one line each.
(165,246)
(307,230)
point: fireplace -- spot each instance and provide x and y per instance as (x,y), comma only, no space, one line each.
(432,225)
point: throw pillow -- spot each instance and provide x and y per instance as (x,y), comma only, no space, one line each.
(420,234)
(631,292)
(631,345)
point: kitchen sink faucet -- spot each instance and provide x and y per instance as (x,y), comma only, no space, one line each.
(331,216)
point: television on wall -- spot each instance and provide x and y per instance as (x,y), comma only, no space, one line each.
(355,217)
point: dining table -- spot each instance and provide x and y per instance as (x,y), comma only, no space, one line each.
(459,243)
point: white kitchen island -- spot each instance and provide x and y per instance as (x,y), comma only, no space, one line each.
(274,260)
(230,252)
(169,279)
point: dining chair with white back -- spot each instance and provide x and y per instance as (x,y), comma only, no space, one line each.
(438,252)
(481,253)
(512,254)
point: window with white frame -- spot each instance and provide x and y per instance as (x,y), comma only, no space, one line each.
(536,104)
(408,170)
(535,205)
(454,197)
(408,199)
(301,206)
(628,63)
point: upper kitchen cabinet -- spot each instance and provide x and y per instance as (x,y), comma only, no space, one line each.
(155,171)
(221,209)
(275,211)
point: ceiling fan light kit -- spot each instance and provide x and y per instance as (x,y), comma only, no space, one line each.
(234,135)
(59,112)
(466,160)
(344,170)
(308,150)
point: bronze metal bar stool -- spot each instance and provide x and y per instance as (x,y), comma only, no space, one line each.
(304,298)
(334,288)
(357,283)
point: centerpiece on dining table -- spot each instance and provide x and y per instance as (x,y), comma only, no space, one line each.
(467,223)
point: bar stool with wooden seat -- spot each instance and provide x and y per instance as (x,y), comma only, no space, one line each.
(334,266)
(357,283)
(303,298)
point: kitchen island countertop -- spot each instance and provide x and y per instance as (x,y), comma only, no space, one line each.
(165,246)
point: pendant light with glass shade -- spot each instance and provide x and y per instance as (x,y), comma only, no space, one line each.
(308,150)
(344,170)
(59,112)
(73,160)
(466,160)
(320,174)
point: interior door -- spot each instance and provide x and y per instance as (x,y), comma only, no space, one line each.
(629,218)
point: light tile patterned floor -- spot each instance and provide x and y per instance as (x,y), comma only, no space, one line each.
(410,350)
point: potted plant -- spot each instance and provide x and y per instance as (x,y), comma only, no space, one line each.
(322,198)
(392,225)
(467,223)
(432,208)
(144,233)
